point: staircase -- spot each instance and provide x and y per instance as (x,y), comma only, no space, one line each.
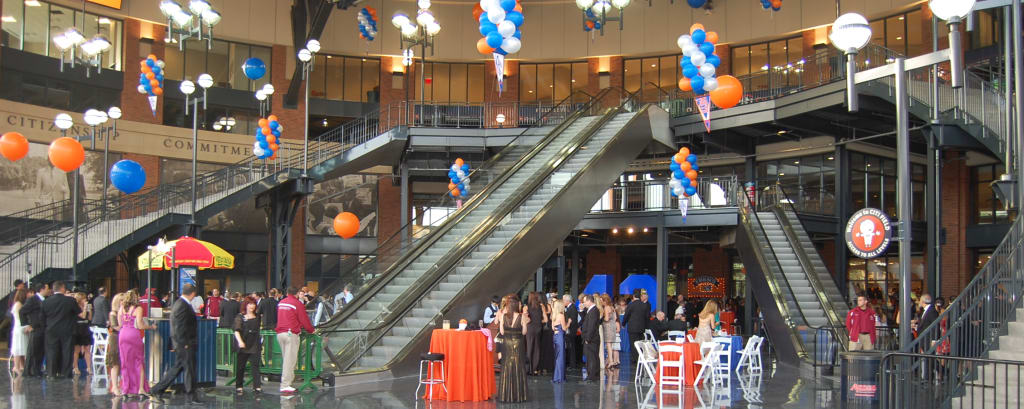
(991,385)
(494,243)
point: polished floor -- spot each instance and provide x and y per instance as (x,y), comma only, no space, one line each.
(781,388)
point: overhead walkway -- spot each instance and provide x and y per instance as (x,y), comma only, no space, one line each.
(535,195)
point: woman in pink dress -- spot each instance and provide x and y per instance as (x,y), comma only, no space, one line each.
(129,343)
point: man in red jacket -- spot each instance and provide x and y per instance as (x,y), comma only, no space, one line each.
(860,323)
(213,305)
(291,320)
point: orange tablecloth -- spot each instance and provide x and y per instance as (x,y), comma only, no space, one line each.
(727,318)
(691,354)
(468,366)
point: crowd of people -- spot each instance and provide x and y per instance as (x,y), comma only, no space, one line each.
(549,334)
(53,325)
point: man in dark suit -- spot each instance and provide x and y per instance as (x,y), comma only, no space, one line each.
(637,314)
(228,310)
(572,314)
(928,315)
(268,309)
(185,341)
(591,337)
(32,315)
(61,314)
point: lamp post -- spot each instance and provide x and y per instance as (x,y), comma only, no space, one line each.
(850,33)
(953,11)
(600,8)
(115,114)
(421,32)
(92,49)
(189,23)
(306,57)
(187,87)
(64,122)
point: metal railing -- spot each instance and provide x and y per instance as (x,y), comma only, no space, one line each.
(356,340)
(654,195)
(910,380)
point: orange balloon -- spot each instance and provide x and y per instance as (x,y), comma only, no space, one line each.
(684,84)
(271,139)
(776,3)
(692,174)
(262,123)
(272,118)
(696,26)
(477,11)
(13,146)
(452,186)
(685,151)
(456,193)
(680,159)
(265,130)
(274,147)
(519,7)
(711,37)
(150,75)
(158,91)
(590,24)
(685,166)
(154,83)
(346,225)
(728,93)
(482,47)
(459,162)
(66,154)
(373,12)
(146,70)
(273,156)
(151,57)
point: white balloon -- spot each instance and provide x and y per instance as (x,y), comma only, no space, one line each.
(683,40)
(675,182)
(455,168)
(460,173)
(160,63)
(506,28)
(465,185)
(678,190)
(706,70)
(142,89)
(485,4)
(496,15)
(258,152)
(697,58)
(255,146)
(710,84)
(465,181)
(511,45)
(689,49)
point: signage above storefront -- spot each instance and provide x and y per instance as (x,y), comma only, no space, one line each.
(114,4)
(868,233)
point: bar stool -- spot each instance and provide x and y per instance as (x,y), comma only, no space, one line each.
(428,360)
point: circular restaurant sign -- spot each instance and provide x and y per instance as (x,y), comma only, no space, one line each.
(868,233)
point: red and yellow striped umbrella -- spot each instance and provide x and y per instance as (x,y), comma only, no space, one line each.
(188,252)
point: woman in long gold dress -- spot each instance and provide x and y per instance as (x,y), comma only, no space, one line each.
(512,384)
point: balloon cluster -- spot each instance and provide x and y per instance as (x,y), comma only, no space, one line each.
(684,173)
(590,21)
(151,79)
(267,137)
(127,176)
(13,146)
(775,5)
(459,184)
(499,24)
(699,61)
(367,18)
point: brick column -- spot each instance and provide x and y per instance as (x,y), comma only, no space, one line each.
(596,67)
(957,259)
(604,262)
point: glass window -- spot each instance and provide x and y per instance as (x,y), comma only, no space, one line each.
(741,61)
(915,35)
(545,82)
(334,72)
(650,79)
(759,63)
(528,82)
(371,80)
(318,77)
(631,72)
(13,22)
(895,34)
(669,72)
(37,28)
(563,81)
(457,78)
(580,76)
(353,79)
(174,64)
(217,64)
(195,59)
(476,83)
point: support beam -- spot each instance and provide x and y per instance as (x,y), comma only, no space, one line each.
(282,205)
(843,200)
(933,208)
(538,282)
(575,270)
(560,258)
(662,270)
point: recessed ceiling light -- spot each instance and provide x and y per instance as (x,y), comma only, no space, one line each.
(104,20)
(831,158)
(782,174)
(573,80)
(531,91)
(8,19)
(796,162)
(899,38)
(329,57)
(364,60)
(615,230)
(32,3)
(629,230)
(901,18)
(653,65)
(646,230)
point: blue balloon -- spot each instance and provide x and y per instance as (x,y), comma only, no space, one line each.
(261,139)
(672,192)
(500,51)
(518,34)
(694,167)
(150,63)
(483,17)
(456,179)
(487,28)
(264,145)
(143,81)
(698,36)
(276,133)
(463,192)
(685,182)
(692,158)
(274,124)
(697,82)
(494,39)
(597,25)
(515,17)
(452,174)
(128,176)
(707,48)
(148,88)
(156,69)
(508,5)
(776,8)
(683,61)
(690,190)
(254,68)
(673,166)
(462,187)
(713,60)
(696,3)
(679,174)
(465,167)
(690,71)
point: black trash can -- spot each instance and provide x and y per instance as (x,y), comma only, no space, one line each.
(859,379)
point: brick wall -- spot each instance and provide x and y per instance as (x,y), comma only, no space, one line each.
(389,209)
(388,93)
(957,259)
(828,256)
(608,261)
(713,262)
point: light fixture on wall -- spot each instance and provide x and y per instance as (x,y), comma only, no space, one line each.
(224,123)
(87,52)
(194,23)
(600,9)
(419,31)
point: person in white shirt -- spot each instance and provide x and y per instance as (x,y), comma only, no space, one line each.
(197,303)
(491,312)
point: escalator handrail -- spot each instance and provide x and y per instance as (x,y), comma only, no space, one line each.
(399,265)
(782,205)
(780,299)
(433,276)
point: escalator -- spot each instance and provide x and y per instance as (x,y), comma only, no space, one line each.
(497,240)
(797,295)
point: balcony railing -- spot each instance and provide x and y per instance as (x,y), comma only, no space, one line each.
(654,195)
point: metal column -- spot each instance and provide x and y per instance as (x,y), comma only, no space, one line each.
(662,270)
(1018,80)
(403,172)
(575,279)
(561,269)
(841,159)
(538,282)
(903,197)
(282,205)
(933,207)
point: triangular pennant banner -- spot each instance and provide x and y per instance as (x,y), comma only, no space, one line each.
(152,104)
(704,106)
(682,206)
(499,70)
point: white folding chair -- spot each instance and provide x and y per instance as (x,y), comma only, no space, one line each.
(649,336)
(722,370)
(98,361)
(665,363)
(689,338)
(755,356)
(646,359)
(709,351)
(675,335)
(748,348)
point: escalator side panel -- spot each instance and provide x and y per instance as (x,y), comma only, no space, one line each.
(778,331)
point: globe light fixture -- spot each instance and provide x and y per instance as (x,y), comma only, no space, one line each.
(260,95)
(600,9)
(424,17)
(305,55)
(91,117)
(187,87)
(601,6)
(850,33)
(953,12)
(195,22)
(114,113)
(584,4)
(620,4)
(268,89)
(399,19)
(63,121)
(205,80)
(91,50)
(313,45)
